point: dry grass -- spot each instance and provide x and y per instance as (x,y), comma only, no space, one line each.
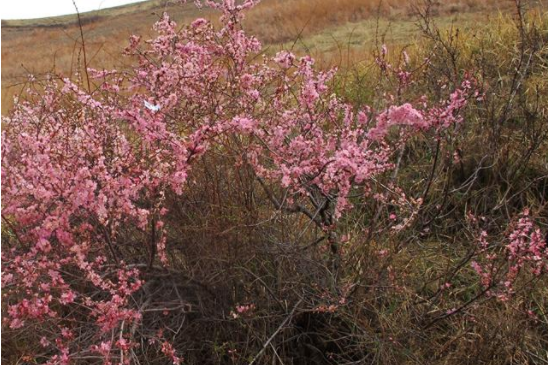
(278,21)
(53,44)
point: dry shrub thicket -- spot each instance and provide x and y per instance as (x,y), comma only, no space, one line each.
(407,297)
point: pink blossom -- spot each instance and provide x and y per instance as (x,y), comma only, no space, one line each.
(80,170)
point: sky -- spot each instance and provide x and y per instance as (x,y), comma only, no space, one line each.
(30,9)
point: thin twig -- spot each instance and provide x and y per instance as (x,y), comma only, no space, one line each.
(276,332)
(83,45)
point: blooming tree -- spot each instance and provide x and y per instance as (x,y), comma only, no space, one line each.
(81,167)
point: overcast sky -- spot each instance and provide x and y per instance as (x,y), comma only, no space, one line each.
(29,9)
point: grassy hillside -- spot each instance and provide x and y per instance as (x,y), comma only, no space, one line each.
(53,44)
(320,27)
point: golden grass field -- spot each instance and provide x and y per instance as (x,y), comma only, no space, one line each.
(333,31)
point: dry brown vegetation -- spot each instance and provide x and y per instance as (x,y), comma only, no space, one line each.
(54,44)
(285,20)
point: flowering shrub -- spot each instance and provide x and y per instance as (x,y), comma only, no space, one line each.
(524,250)
(81,168)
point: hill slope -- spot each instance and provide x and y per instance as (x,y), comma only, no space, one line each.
(53,44)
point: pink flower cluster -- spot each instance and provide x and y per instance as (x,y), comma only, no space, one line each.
(243,310)
(81,167)
(524,251)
